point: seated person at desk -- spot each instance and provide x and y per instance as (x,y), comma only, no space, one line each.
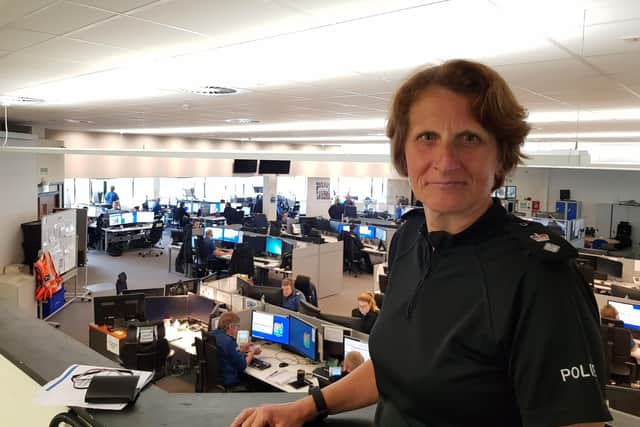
(228,212)
(291,297)
(609,312)
(180,215)
(359,246)
(232,360)
(367,310)
(336,210)
(214,253)
(111,196)
(157,208)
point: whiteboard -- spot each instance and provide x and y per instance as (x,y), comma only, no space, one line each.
(59,237)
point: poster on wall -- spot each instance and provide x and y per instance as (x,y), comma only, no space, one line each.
(322,190)
(59,238)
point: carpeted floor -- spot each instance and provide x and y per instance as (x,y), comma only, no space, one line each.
(149,272)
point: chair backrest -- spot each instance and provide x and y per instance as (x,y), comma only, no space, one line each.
(260,220)
(383,282)
(242,261)
(121,283)
(619,291)
(201,251)
(209,367)
(621,345)
(379,298)
(155,234)
(147,352)
(308,289)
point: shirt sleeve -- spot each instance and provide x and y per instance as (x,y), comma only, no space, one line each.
(555,355)
(236,358)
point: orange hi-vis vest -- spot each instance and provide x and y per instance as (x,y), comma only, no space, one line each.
(48,281)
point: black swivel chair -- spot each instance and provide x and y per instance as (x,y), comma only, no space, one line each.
(622,366)
(308,289)
(242,261)
(352,259)
(145,347)
(208,378)
(383,282)
(121,283)
(152,239)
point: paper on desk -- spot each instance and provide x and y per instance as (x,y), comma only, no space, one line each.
(60,390)
(283,377)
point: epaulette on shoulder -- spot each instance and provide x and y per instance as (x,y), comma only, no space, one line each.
(413,212)
(541,242)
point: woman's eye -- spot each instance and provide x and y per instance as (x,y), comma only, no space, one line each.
(427,136)
(470,138)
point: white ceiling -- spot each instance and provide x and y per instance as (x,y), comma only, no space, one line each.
(121,64)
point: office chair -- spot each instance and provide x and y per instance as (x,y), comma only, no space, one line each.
(308,289)
(622,365)
(121,283)
(146,348)
(379,299)
(242,261)
(202,267)
(208,378)
(351,254)
(383,282)
(619,291)
(152,239)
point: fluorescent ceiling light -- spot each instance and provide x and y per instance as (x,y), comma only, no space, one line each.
(584,116)
(377,123)
(583,135)
(346,138)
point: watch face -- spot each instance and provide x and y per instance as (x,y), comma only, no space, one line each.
(335,371)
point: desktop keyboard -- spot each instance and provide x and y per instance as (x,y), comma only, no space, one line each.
(261,261)
(259,364)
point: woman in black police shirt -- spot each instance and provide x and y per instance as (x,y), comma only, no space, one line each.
(486,321)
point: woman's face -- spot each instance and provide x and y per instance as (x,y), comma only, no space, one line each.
(452,160)
(286,290)
(364,307)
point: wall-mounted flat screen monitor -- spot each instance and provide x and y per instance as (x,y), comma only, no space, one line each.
(145,217)
(245,166)
(366,232)
(270,327)
(273,246)
(280,167)
(115,219)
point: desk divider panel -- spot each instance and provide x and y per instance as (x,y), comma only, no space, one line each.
(330,269)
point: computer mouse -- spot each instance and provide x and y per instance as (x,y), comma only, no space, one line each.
(283,365)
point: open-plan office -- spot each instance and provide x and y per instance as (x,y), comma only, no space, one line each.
(275,107)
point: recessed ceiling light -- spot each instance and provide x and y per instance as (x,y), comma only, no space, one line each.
(17,100)
(76,121)
(242,121)
(210,90)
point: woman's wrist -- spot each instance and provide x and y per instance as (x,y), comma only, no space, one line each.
(307,409)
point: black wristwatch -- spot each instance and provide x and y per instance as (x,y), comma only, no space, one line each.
(318,399)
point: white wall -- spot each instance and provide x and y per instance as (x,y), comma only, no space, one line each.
(19,178)
(397,187)
(531,182)
(317,207)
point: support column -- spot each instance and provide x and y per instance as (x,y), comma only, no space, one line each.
(270,191)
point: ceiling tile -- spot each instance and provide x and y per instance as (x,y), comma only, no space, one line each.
(64,49)
(18,70)
(117,5)
(227,22)
(612,10)
(618,63)
(130,33)
(12,10)
(604,39)
(61,18)
(14,39)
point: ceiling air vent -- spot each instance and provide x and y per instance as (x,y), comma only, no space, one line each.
(211,90)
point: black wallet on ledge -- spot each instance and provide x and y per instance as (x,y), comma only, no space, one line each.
(112,389)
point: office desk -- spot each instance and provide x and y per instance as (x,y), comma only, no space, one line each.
(274,354)
(181,338)
(588,240)
(107,343)
(128,234)
(213,220)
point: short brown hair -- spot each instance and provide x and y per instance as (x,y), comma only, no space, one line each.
(492,103)
(227,319)
(609,312)
(287,282)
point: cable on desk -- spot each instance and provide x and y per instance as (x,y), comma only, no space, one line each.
(70,418)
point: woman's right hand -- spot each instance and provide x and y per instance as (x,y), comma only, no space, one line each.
(292,414)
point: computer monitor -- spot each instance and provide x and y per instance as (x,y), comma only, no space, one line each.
(236,205)
(353,344)
(148,292)
(199,307)
(334,226)
(128,218)
(159,308)
(246,210)
(216,232)
(115,219)
(350,211)
(585,259)
(628,313)
(182,287)
(344,227)
(610,267)
(145,217)
(231,235)
(349,322)
(287,248)
(295,228)
(273,246)
(270,327)
(92,211)
(244,287)
(123,307)
(271,294)
(381,234)
(366,231)
(303,338)
(257,243)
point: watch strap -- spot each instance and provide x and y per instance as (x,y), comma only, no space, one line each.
(318,399)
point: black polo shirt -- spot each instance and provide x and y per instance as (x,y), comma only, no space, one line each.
(492,326)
